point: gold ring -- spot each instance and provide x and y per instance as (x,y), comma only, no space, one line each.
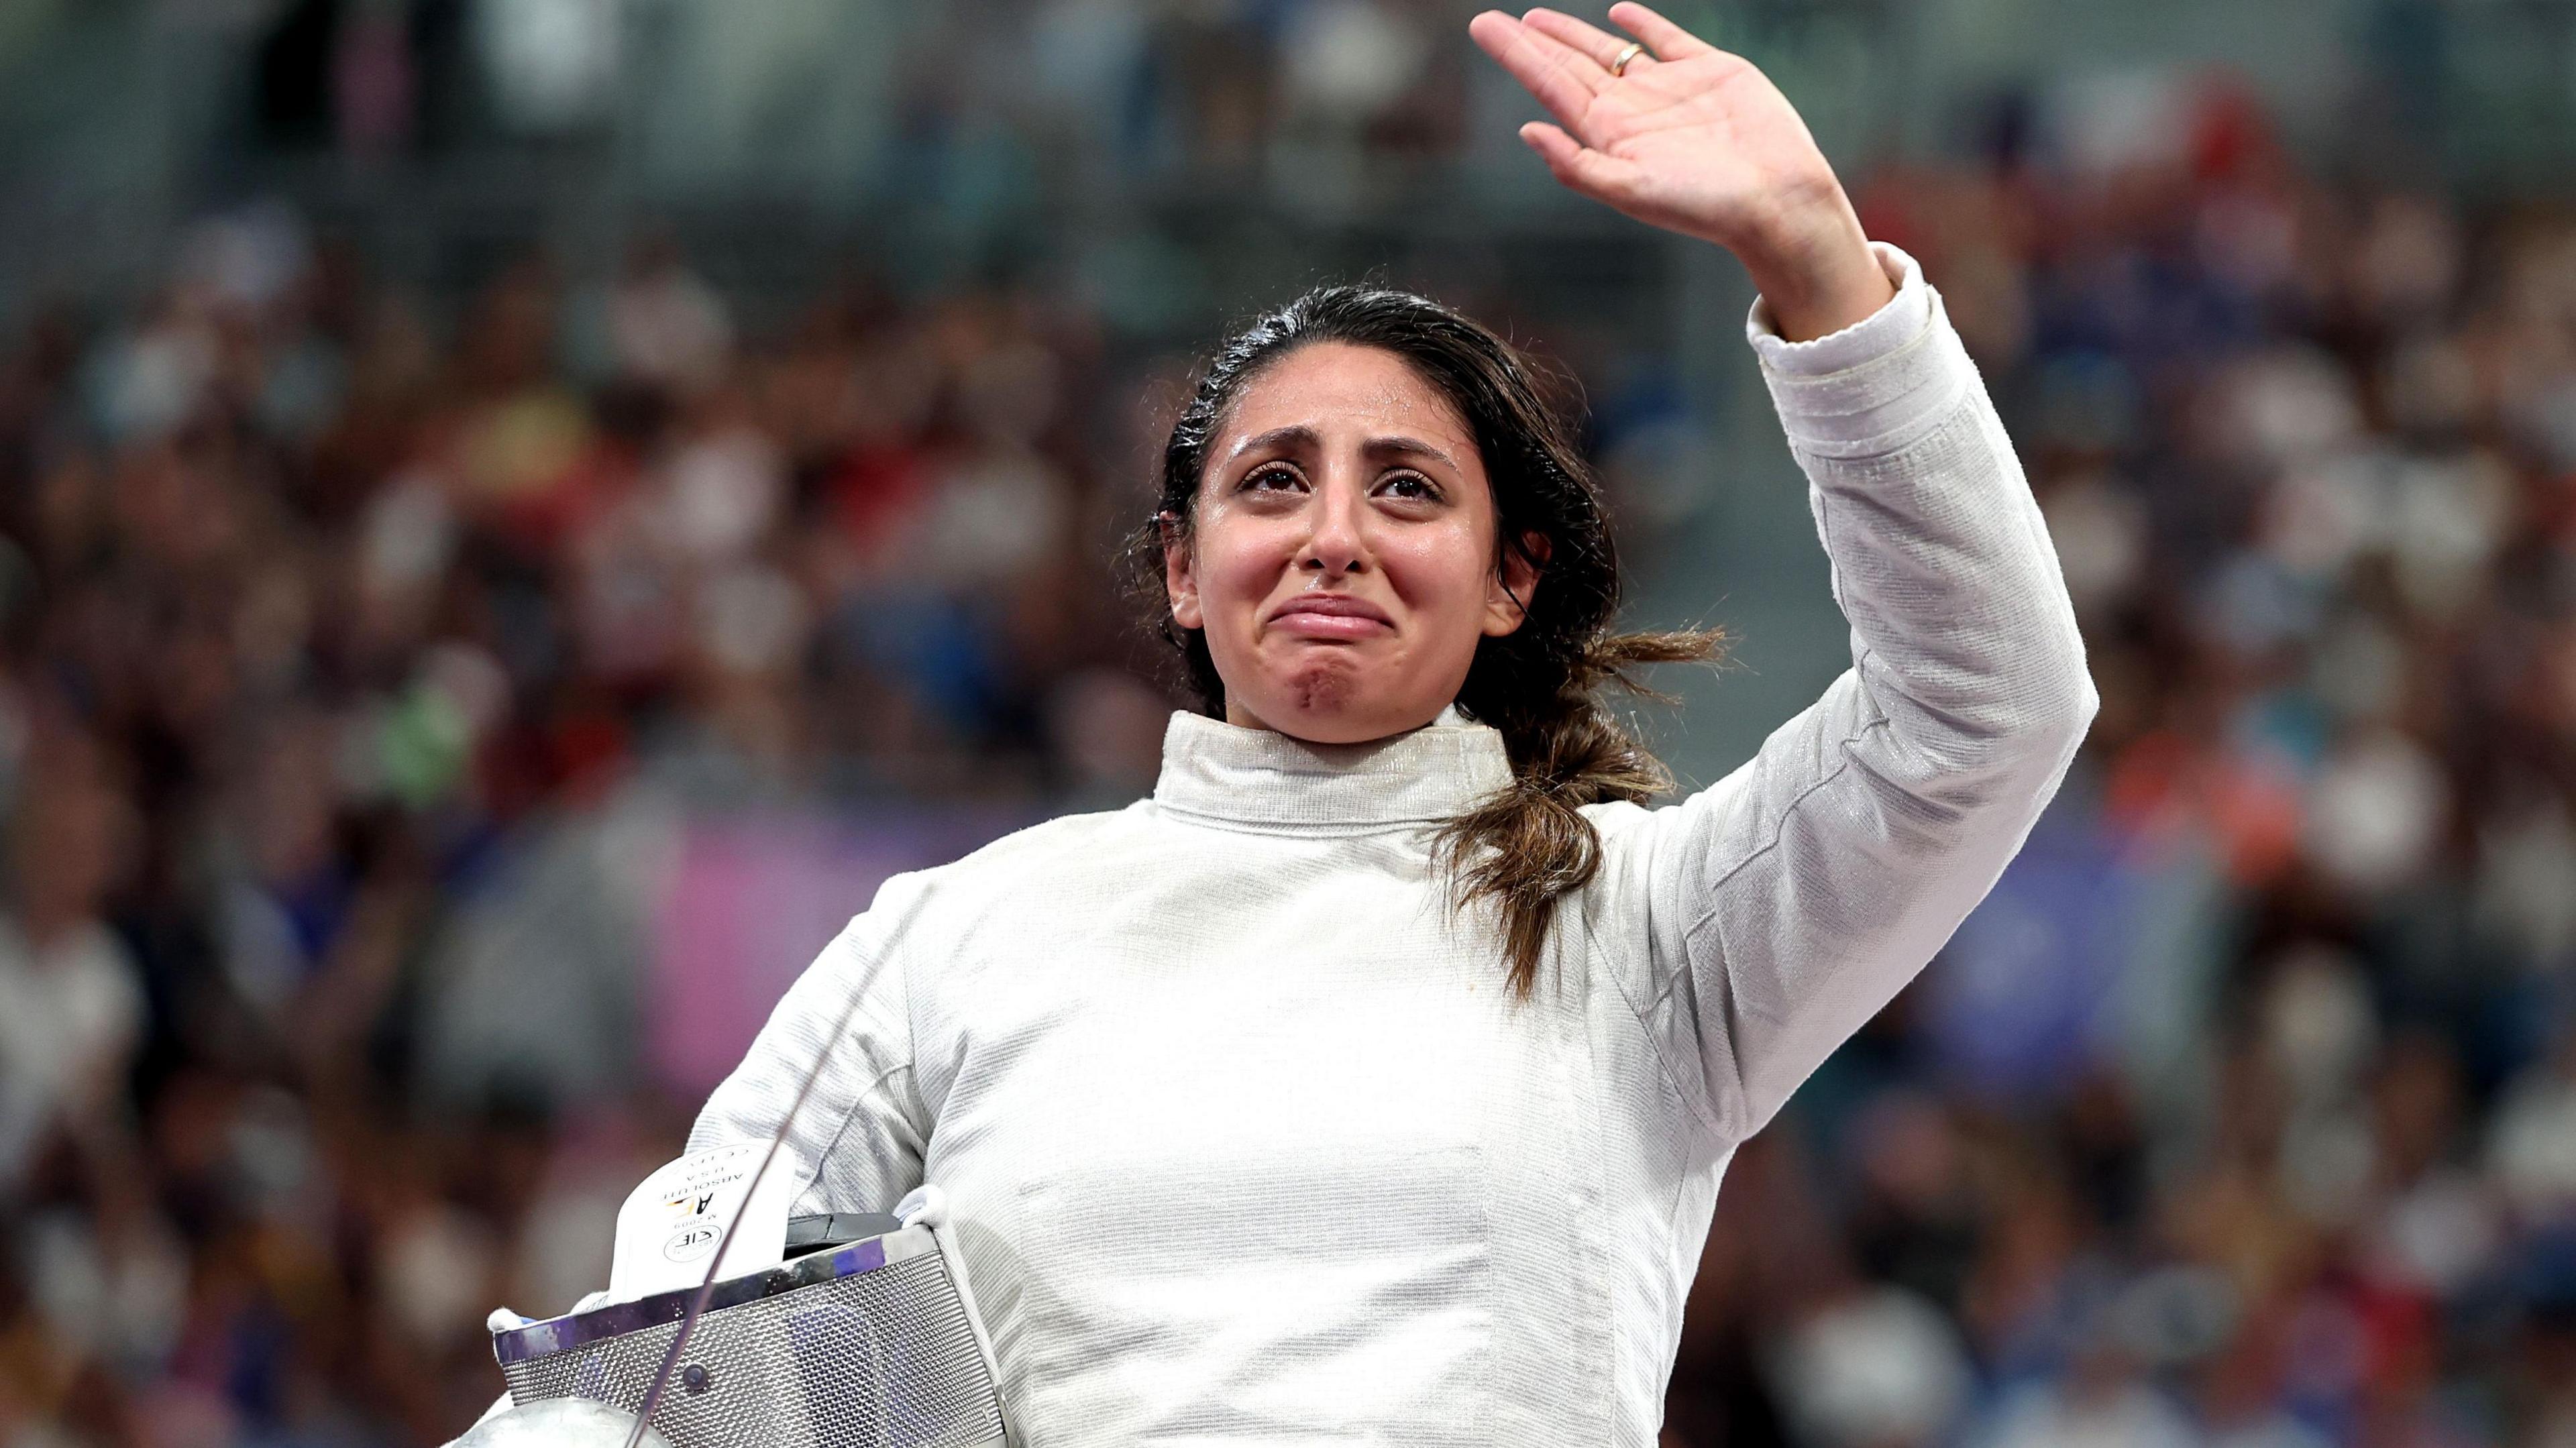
(1619,65)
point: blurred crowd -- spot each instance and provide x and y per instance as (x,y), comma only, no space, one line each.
(361,674)
(352,680)
(2244,1111)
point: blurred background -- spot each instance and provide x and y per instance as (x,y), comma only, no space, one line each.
(516,514)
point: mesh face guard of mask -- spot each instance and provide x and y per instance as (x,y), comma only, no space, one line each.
(873,1343)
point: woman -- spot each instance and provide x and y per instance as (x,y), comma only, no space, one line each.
(1373,1079)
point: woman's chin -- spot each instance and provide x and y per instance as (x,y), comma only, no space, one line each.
(1324,689)
(1326,701)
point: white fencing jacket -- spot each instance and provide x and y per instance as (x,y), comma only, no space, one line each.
(1246,1140)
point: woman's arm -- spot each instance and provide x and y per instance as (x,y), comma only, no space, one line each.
(1787,903)
(1784,905)
(857,1143)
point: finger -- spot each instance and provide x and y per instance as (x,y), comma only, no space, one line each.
(1577,66)
(1544,66)
(1598,46)
(1667,40)
(1502,36)
(1596,174)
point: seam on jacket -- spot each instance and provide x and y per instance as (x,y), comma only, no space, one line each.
(911,1038)
(1949,813)
(1833,566)
(1743,1093)
(833,1145)
(1226,825)
(1881,445)
(1885,361)
(1894,442)
(1674,1239)
(860,1098)
(1762,331)
(1646,1028)
(1843,747)
(1949,719)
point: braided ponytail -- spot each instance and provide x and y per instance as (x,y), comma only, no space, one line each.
(1529,845)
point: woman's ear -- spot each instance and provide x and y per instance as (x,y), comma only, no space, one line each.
(1180,581)
(1514,582)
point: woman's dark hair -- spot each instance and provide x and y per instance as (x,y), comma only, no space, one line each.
(1542,684)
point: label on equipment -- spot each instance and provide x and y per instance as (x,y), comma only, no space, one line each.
(671,1223)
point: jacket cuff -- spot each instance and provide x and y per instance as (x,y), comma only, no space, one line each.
(1869,386)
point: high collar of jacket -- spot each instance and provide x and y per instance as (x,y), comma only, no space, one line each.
(1263,779)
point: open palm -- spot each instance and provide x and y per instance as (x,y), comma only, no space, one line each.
(1692,139)
(1689,138)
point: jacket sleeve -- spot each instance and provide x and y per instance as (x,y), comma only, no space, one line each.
(1787,903)
(856,1144)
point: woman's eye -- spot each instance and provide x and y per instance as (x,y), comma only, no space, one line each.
(1255,481)
(1411,486)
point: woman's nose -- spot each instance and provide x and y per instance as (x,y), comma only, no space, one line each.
(1338,542)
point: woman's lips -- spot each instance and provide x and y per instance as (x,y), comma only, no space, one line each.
(1333,617)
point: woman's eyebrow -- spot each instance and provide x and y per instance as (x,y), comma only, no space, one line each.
(1294,436)
(1298,435)
(1406,447)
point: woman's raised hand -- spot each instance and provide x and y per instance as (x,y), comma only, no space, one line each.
(1694,140)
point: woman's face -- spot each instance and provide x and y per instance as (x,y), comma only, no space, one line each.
(1342,562)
